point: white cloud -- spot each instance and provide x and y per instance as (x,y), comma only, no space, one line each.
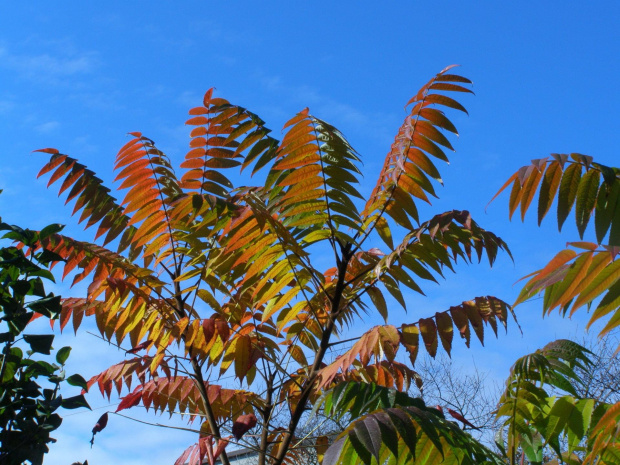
(343,115)
(46,128)
(189,99)
(6,106)
(50,65)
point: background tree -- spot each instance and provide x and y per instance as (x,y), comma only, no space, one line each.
(471,392)
(543,418)
(602,380)
(28,406)
(468,390)
(207,279)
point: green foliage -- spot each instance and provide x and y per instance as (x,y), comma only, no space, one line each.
(390,427)
(534,413)
(27,406)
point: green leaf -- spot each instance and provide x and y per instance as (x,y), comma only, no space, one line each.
(558,417)
(41,368)
(607,202)
(392,286)
(49,306)
(48,256)
(378,301)
(402,276)
(533,449)
(568,192)
(63,354)
(548,189)
(209,299)
(586,199)
(384,232)
(18,323)
(614,233)
(12,362)
(75,402)
(53,228)
(40,343)
(77,380)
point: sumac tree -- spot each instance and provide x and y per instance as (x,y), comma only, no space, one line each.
(201,280)
(587,274)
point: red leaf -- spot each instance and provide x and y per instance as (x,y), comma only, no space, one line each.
(130,400)
(461,418)
(221,445)
(208,327)
(222,329)
(205,446)
(243,424)
(139,347)
(181,460)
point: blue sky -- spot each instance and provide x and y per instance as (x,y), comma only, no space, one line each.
(79,75)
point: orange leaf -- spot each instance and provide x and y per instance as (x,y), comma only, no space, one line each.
(197,121)
(47,150)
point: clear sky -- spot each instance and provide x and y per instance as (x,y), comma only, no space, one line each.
(79,75)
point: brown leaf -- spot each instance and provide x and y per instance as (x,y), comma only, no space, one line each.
(410,338)
(100,425)
(445,329)
(429,335)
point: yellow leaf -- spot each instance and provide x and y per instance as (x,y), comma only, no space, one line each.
(601,279)
(216,349)
(322,443)
(279,302)
(298,355)
(242,356)
(384,231)
(287,316)
(410,338)
(229,355)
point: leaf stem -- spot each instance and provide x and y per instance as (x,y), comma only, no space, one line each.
(323,348)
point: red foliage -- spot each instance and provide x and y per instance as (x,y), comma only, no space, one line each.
(243,424)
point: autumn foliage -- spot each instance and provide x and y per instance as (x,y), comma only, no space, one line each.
(201,281)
